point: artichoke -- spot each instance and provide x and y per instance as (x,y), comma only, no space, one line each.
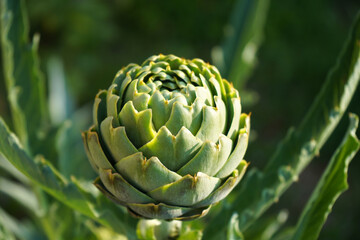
(168,138)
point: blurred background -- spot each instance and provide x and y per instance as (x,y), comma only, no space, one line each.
(302,39)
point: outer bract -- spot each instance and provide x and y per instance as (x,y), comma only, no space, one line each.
(168,138)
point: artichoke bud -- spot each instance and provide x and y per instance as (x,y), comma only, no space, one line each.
(168,138)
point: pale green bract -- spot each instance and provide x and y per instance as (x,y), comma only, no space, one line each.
(168,138)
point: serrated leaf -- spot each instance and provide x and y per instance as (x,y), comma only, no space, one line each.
(294,153)
(24,81)
(44,175)
(303,143)
(332,183)
(237,55)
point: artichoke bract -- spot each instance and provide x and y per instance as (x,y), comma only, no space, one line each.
(168,138)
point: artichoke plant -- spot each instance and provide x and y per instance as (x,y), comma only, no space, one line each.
(168,138)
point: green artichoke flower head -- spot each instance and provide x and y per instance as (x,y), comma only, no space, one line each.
(168,138)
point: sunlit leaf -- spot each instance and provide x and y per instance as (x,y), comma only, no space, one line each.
(294,153)
(332,183)
(303,143)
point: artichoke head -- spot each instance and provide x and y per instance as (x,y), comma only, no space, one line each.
(168,138)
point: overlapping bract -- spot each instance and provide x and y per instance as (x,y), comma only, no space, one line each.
(168,138)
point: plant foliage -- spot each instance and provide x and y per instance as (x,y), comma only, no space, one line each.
(49,177)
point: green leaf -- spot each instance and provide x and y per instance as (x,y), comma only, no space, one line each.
(19,193)
(7,226)
(72,193)
(6,233)
(4,164)
(101,232)
(188,233)
(61,222)
(294,153)
(266,228)
(233,231)
(11,228)
(24,81)
(284,234)
(237,55)
(68,139)
(302,144)
(332,183)
(61,104)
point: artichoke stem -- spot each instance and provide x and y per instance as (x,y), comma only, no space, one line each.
(158,229)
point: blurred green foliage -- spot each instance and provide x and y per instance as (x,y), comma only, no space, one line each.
(302,40)
(95,38)
(114,33)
